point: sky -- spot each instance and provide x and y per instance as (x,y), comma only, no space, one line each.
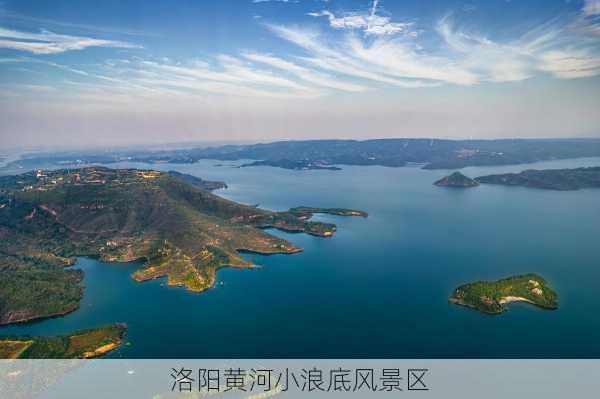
(148,72)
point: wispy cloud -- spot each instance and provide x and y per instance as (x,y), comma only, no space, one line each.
(356,52)
(46,42)
(304,73)
(564,49)
(369,22)
(338,57)
(13,16)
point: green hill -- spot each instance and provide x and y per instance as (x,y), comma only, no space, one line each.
(457,180)
(492,296)
(182,231)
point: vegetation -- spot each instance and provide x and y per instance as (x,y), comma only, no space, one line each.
(491,296)
(457,180)
(293,164)
(84,344)
(307,211)
(550,179)
(198,182)
(32,291)
(322,154)
(184,233)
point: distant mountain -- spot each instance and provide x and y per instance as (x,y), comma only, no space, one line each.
(319,154)
(182,231)
(434,154)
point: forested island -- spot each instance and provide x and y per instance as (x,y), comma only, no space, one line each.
(306,212)
(457,180)
(293,164)
(491,296)
(549,179)
(85,344)
(182,231)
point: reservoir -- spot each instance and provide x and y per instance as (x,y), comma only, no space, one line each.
(379,287)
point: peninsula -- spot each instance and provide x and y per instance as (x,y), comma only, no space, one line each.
(549,179)
(491,296)
(84,344)
(181,230)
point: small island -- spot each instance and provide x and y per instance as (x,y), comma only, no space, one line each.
(85,344)
(549,179)
(491,296)
(293,164)
(306,212)
(457,180)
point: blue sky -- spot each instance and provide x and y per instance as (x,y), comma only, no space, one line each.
(114,72)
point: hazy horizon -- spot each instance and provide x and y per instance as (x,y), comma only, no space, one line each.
(83,74)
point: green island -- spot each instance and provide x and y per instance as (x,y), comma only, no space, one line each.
(85,344)
(549,179)
(293,164)
(491,296)
(172,221)
(457,180)
(307,211)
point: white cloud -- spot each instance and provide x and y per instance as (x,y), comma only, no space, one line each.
(358,52)
(47,42)
(337,60)
(461,57)
(368,22)
(305,73)
(568,64)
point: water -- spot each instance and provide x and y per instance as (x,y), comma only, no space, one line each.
(379,287)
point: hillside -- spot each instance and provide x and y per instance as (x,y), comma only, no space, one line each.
(183,232)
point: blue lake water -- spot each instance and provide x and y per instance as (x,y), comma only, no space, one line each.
(379,287)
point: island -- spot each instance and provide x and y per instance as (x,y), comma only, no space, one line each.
(302,164)
(85,344)
(456,180)
(549,179)
(306,212)
(491,296)
(182,231)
